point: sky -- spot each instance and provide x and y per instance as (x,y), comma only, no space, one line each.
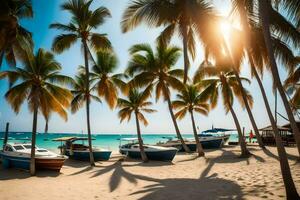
(104,120)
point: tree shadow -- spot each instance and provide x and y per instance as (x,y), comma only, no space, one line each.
(227,157)
(12,173)
(185,188)
(171,188)
(289,156)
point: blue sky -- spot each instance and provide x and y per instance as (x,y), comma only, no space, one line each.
(103,119)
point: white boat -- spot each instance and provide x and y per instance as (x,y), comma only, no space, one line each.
(18,155)
(153,152)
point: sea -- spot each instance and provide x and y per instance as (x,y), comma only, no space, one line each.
(108,141)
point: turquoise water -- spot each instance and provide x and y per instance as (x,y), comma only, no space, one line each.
(110,141)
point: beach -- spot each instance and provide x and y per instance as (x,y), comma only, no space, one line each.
(220,175)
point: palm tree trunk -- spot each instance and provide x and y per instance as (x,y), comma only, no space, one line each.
(141,145)
(33,139)
(185,55)
(46,126)
(291,191)
(254,126)
(85,47)
(199,146)
(236,73)
(264,6)
(185,147)
(284,164)
(245,153)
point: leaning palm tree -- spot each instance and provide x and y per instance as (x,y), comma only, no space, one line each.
(83,21)
(136,103)
(220,78)
(258,57)
(256,49)
(154,69)
(266,11)
(184,17)
(35,82)
(107,84)
(15,39)
(189,100)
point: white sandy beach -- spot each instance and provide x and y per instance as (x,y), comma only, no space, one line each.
(220,175)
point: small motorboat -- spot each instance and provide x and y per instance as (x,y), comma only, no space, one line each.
(78,151)
(207,142)
(153,152)
(18,155)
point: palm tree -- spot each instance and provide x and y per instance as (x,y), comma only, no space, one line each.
(155,70)
(189,100)
(107,83)
(255,44)
(291,84)
(136,103)
(184,17)
(81,95)
(258,56)
(220,78)
(14,39)
(35,82)
(83,21)
(265,12)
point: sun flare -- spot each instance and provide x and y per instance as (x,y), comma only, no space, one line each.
(225,28)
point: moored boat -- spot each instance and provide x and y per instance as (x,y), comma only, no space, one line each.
(207,142)
(153,152)
(80,151)
(17,155)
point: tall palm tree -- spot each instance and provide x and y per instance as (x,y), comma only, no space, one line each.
(185,17)
(220,78)
(136,103)
(154,69)
(255,45)
(83,21)
(107,83)
(265,12)
(35,82)
(189,100)
(81,95)
(233,48)
(15,39)
(257,58)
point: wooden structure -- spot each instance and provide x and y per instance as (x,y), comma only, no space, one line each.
(267,135)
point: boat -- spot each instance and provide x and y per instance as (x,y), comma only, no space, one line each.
(18,155)
(206,142)
(153,152)
(77,151)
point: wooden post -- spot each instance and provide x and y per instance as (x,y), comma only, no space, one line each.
(244,134)
(6,135)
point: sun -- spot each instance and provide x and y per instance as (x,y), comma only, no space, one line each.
(225,28)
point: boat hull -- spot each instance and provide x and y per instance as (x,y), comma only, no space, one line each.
(206,144)
(19,162)
(85,155)
(167,155)
(211,144)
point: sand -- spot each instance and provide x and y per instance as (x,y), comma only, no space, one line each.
(220,175)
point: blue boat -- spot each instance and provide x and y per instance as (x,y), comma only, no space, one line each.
(153,152)
(78,151)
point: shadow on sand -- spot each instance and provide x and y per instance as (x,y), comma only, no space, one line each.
(10,174)
(168,188)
